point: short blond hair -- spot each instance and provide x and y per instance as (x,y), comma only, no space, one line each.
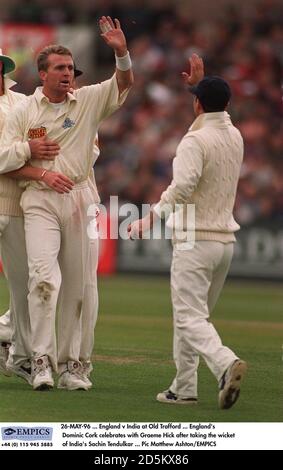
(42,58)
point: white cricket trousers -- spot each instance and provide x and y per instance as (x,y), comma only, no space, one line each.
(6,329)
(15,324)
(58,247)
(89,312)
(197,278)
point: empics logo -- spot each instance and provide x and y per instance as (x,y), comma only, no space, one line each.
(27,434)
(9,431)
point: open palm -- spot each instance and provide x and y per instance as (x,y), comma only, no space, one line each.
(112,33)
(197,71)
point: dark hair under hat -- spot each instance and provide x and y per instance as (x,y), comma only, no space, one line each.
(213,93)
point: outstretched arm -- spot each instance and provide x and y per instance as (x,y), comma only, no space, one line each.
(174,193)
(115,38)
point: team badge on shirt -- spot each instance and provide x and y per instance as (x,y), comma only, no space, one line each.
(68,123)
(37,132)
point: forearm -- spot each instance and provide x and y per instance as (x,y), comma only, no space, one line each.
(187,171)
(149,220)
(115,38)
(173,196)
(139,227)
(54,180)
(125,79)
(176,194)
(124,72)
(27,172)
(14,156)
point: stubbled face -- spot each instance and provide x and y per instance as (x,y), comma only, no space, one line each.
(59,76)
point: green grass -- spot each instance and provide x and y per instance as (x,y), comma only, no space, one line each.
(133,359)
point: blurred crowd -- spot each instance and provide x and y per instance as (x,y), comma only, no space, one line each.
(138,143)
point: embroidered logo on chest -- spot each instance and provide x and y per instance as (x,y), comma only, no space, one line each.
(37,132)
(68,123)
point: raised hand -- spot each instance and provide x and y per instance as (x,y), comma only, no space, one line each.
(197,71)
(113,35)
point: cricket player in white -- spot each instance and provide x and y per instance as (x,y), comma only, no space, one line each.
(55,224)
(15,348)
(89,309)
(14,324)
(205,173)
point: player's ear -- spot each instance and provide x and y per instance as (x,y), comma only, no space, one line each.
(199,105)
(42,75)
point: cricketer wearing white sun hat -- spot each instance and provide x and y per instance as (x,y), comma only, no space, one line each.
(8,63)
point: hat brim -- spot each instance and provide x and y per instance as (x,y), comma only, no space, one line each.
(77,73)
(9,64)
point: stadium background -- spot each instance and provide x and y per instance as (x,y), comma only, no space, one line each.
(241,41)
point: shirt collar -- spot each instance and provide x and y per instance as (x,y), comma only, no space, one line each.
(41,98)
(211,119)
(9,83)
